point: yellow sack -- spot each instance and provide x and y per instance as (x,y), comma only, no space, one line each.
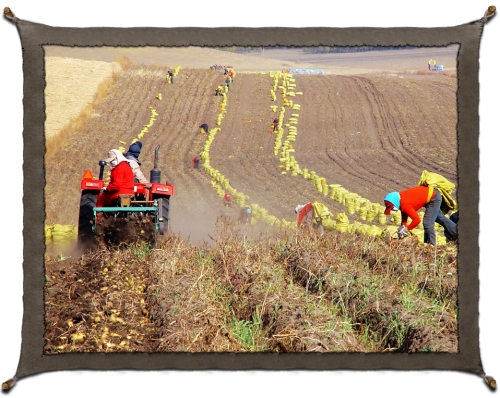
(342,223)
(48,232)
(58,228)
(444,186)
(321,211)
(373,230)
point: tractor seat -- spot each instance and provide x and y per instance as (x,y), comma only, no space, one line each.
(124,200)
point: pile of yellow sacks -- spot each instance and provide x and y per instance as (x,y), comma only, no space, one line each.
(60,236)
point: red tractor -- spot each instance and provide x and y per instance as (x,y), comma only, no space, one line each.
(135,218)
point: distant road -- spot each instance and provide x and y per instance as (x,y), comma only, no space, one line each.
(396,61)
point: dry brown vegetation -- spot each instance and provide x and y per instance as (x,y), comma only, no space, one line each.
(282,291)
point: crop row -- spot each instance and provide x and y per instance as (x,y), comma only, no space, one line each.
(353,202)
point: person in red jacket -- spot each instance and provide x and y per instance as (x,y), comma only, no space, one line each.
(410,201)
(227,200)
(121,180)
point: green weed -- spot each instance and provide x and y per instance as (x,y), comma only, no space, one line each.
(141,251)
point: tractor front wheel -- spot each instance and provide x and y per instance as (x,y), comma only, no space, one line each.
(86,238)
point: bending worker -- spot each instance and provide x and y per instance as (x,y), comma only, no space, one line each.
(203,128)
(410,201)
(312,214)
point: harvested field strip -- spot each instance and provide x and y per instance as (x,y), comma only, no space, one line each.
(108,309)
(410,152)
(289,160)
(241,200)
(308,175)
(69,73)
(350,158)
(258,144)
(257,141)
(358,146)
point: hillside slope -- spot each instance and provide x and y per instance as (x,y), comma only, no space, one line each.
(370,134)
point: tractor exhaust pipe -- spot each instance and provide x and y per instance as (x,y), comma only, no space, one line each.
(102,163)
(155,174)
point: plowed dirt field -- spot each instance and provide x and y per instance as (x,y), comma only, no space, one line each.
(371,133)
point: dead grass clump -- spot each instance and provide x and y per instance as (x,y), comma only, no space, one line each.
(236,297)
(265,309)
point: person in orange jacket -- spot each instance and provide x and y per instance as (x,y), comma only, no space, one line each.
(409,201)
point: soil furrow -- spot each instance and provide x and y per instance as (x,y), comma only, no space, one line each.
(335,139)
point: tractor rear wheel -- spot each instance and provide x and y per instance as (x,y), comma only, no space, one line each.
(164,204)
(86,238)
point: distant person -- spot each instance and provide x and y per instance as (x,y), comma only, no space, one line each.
(228,82)
(219,90)
(171,76)
(121,180)
(196,162)
(231,75)
(409,201)
(227,200)
(275,124)
(245,215)
(133,158)
(204,128)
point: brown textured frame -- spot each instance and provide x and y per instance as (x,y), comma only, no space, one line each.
(35,36)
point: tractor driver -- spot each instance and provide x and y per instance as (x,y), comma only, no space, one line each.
(121,180)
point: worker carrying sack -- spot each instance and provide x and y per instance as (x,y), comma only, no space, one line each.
(445,187)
